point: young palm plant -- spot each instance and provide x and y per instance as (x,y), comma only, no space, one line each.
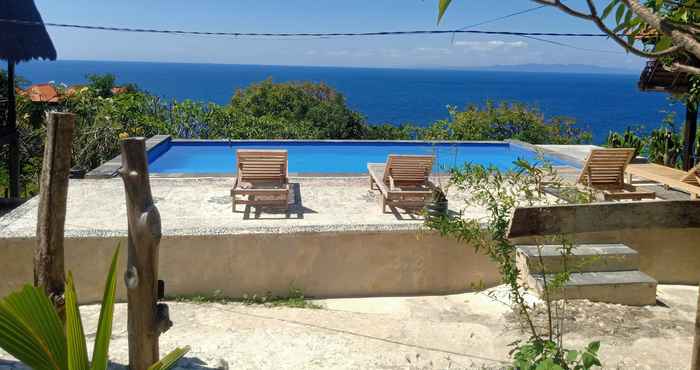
(32,332)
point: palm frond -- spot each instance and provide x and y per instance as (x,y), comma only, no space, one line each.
(31,331)
(100,353)
(169,361)
(75,336)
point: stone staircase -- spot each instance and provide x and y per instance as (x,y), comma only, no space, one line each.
(599,272)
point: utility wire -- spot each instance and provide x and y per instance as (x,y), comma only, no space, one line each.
(328,35)
(531,37)
(572,46)
(503,17)
(452,40)
(298,34)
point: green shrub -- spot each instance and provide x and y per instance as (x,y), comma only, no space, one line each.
(505,121)
(501,192)
(628,139)
(316,105)
(665,147)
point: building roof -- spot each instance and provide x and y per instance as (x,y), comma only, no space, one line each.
(42,93)
(47,92)
(119,90)
(655,77)
(74,89)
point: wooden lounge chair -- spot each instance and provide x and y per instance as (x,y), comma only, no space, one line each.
(261,178)
(667,176)
(403,180)
(604,171)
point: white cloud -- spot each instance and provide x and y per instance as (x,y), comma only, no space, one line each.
(338,53)
(391,53)
(424,50)
(363,53)
(355,53)
(490,45)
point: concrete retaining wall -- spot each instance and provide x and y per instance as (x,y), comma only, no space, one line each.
(331,264)
(328,264)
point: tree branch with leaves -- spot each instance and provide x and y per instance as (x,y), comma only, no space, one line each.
(667,30)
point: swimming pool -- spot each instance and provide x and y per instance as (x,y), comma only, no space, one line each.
(329,157)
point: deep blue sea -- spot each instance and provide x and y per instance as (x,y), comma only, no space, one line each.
(598,102)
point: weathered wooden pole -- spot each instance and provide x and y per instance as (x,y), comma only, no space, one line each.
(147,319)
(48,256)
(691,128)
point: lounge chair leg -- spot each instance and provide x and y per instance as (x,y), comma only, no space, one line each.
(372,184)
(383,205)
(694,197)
(233,202)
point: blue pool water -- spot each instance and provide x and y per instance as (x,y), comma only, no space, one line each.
(328,157)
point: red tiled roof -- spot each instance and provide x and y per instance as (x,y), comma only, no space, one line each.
(74,89)
(119,90)
(45,93)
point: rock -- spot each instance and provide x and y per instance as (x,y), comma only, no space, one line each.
(222,364)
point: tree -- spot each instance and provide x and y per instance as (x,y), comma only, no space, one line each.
(668,30)
(102,84)
(19,82)
(317,104)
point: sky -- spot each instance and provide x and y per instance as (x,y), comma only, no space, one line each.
(430,51)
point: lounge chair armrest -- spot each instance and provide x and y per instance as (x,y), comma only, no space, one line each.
(235,184)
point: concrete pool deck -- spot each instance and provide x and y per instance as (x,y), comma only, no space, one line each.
(202,206)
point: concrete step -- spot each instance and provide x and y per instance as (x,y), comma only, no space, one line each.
(584,258)
(633,288)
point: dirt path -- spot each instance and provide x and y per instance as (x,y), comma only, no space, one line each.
(457,331)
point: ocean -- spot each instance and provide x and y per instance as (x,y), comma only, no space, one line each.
(598,102)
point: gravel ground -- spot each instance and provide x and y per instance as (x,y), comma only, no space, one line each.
(439,332)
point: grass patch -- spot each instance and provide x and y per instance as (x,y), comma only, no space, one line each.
(294,299)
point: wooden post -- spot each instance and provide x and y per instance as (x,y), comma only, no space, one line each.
(695,362)
(147,319)
(48,257)
(691,128)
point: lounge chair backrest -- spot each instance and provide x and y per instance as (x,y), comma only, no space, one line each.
(606,166)
(408,169)
(262,165)
(692,176)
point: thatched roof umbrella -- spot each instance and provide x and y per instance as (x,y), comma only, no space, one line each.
(655,77)
(23,37)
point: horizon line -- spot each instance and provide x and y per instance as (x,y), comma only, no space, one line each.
(609,69)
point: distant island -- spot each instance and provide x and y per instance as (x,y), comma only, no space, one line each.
(556,68)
